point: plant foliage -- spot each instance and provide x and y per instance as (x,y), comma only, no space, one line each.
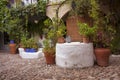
(86,30)
(29,43)
(30,17)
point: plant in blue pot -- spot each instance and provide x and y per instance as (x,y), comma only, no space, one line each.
(29,44)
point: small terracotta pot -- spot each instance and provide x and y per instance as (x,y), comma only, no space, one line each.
(102,56)
(12,48)
(61,40)
(50,59)
(85,39)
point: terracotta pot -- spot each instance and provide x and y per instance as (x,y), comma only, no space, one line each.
(85,39)
(102,56)
(50,59)
(61,40)
(12,48)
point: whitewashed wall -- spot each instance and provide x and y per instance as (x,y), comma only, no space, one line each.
(28,2)
(56,1)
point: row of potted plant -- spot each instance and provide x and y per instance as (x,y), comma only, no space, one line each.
(101,33)
(101,41)
(55,28)
(16,21)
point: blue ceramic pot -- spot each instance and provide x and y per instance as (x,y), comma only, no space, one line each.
(12,42)
(32,50)
(27,50)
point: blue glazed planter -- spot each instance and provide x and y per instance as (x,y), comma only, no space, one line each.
(32,50)
(27,50)
(12,42)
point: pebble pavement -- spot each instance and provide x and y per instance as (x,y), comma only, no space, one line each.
(13,67)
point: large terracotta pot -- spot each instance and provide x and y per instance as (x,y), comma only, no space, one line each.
(50,59)
(12,48)
(102,56)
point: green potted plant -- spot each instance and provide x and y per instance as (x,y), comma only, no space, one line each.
(49,52)
(103,44)
(104,36)
(50,41)
(30,45)
(3,14)
(14,29)
(53,30)
(61,32)
(86,31)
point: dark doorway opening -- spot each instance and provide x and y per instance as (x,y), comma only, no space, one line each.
(4,41)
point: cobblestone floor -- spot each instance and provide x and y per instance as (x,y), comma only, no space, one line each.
(13,67)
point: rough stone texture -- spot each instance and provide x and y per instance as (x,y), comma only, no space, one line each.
(13,67)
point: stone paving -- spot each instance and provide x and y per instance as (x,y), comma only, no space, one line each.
(13,67)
